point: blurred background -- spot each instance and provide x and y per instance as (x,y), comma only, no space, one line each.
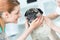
(47,6)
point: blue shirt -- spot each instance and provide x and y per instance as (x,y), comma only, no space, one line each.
(0,29)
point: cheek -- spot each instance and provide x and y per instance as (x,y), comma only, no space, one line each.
(12,18)
(15,18)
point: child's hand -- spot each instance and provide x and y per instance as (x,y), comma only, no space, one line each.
(48,21)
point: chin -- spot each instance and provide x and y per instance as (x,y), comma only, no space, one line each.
(15,22)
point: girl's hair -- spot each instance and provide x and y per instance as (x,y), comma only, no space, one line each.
(10,6)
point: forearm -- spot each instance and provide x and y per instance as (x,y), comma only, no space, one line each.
(53,16)
(51,24)
(26,33)
(54,27)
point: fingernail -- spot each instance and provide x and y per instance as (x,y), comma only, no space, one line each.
(38,17)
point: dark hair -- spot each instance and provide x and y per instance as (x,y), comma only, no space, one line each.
(31,13)
(12,4)
(8,5)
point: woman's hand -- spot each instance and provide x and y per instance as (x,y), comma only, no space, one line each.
(48,21)
(51,24)
(37,22)
(26,24)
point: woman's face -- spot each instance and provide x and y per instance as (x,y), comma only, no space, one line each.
(58,2)
(13,16)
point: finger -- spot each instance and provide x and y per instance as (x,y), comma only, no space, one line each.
(40,20)
(46,18)
(26,22)
(35,20)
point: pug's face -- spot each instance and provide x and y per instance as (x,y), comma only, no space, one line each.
(32,14)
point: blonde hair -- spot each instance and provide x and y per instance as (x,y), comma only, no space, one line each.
(9,6)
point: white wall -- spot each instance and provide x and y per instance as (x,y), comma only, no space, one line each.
(24,6)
